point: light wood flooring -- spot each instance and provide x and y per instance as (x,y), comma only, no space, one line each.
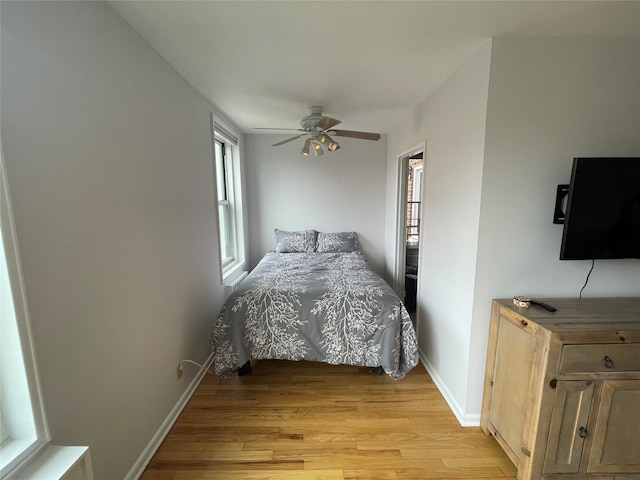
(307,420)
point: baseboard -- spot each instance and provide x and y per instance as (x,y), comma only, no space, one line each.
(154,444)
(465,419)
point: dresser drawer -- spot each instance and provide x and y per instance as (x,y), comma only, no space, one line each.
(600,358)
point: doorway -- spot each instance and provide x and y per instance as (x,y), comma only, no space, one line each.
(412,237)
(410,187)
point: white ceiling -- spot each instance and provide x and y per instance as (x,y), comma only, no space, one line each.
(263,63)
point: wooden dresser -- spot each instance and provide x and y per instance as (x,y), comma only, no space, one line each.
(562,389)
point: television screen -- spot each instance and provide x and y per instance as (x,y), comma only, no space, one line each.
(602,217)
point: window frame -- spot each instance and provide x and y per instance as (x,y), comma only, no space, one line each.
(18,452)
(226,222)
(226,157)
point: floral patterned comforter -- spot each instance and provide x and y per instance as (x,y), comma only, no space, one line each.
(328,307)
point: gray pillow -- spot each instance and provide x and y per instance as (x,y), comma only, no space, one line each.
(337,242)
(295,242)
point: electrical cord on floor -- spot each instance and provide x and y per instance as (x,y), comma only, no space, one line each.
(197,365)
(593,262)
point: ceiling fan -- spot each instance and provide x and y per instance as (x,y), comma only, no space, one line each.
(319,129)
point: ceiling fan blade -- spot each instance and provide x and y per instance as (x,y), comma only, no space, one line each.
(288,140)
(280,129)
(352,134)
(326,123)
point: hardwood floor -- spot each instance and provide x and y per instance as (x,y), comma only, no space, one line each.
(307,420)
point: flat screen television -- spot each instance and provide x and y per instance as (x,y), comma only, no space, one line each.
(602,216)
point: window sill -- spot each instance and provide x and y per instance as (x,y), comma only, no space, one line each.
(72,463)
(232,273)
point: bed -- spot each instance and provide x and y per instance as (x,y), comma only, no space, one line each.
(315,298)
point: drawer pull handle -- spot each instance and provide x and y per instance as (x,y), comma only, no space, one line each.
(607,362)
(582,432)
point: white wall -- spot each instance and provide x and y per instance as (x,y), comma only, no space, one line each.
(452,122)
(550,99)
(109,162)
(490,188)
(340,191)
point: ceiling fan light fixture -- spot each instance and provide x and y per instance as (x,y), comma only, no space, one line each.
(328,141)
(317,149)
(305,149)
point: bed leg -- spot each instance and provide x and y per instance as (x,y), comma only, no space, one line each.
(245,369)
(377,371)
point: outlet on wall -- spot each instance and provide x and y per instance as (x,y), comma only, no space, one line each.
(179,370)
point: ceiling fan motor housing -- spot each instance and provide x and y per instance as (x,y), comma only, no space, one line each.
(310,121)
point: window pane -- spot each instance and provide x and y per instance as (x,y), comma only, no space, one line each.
(226,249)
(17,421)
(221,181)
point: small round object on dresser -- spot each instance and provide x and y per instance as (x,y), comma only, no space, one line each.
(521,302)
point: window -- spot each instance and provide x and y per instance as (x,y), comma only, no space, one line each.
(229,197)
(22,422)
(414,193)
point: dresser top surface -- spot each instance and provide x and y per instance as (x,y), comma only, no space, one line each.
(581,314)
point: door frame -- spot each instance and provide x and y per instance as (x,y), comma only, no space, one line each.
(401,214)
